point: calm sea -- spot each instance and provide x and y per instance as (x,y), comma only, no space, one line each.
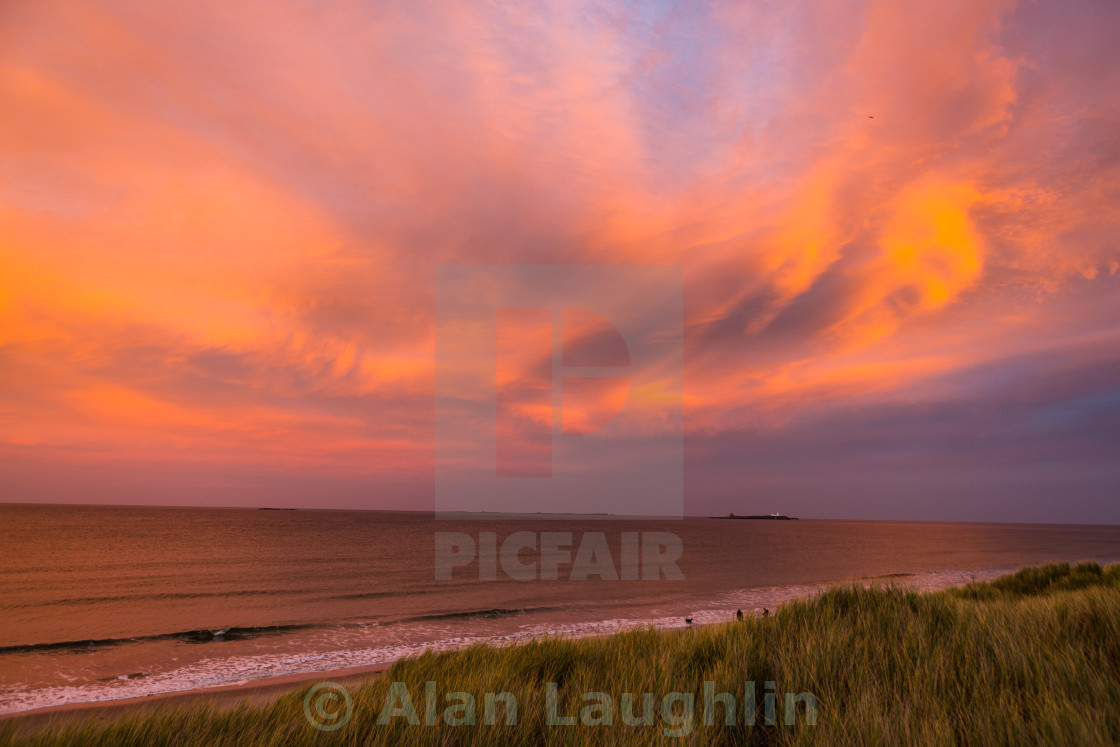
(100,603)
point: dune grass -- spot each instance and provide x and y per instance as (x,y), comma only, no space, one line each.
(1030,658)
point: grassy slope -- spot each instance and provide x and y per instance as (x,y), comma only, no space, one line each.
(1029,658)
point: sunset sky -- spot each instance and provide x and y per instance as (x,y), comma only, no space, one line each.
(897,225)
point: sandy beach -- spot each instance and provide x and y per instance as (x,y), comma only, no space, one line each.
(219,698)
(791,650)
(263,690)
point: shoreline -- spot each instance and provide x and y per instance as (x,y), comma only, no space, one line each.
(219,697)
(795,652)
(262,690)
(227,696)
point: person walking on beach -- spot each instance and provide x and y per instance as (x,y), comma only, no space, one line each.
(739,615)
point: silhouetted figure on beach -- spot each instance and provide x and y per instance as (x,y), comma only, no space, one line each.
(739,615)
(688,620)
(765,612)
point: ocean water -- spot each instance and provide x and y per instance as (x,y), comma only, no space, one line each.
(102,603)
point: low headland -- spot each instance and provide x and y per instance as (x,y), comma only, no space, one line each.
(1030,658)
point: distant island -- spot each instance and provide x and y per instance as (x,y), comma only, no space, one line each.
(767,517)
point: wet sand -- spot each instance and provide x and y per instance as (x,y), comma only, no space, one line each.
(220,698)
